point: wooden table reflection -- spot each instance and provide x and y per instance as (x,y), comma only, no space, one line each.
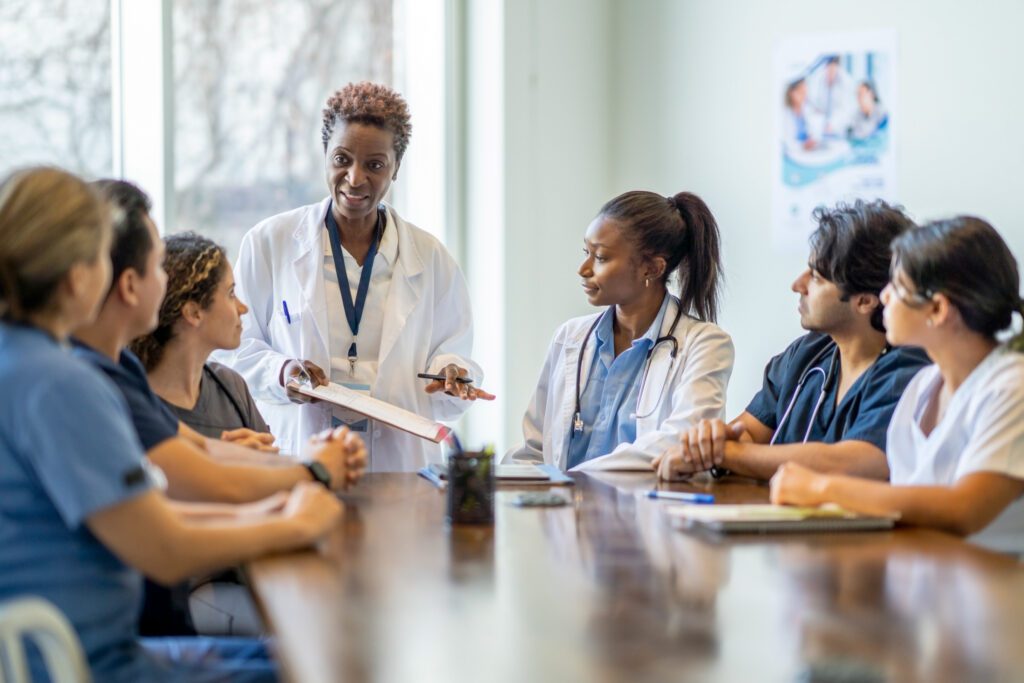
(603,590)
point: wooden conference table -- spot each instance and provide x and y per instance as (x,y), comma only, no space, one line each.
(604,590)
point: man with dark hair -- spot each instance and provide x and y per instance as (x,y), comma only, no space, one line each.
(827,399)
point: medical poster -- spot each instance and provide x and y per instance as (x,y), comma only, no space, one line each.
(836,120)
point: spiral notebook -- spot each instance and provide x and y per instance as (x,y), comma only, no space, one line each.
(772,519)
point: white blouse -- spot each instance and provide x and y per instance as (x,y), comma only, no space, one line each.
(982,431)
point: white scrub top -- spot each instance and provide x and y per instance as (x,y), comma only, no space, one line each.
(981,431)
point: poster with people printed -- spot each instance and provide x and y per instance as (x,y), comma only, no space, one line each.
(834,126)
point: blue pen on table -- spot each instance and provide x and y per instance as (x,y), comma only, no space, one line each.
(699,498)
(284,307)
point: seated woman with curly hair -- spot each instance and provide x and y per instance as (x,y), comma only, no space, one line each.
(347,291)
(200,314)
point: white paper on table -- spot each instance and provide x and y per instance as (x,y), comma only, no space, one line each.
(374,408)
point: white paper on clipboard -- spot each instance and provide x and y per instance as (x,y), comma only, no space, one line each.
(374,408)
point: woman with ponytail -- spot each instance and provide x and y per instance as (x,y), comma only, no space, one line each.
(956,440)
(620,385)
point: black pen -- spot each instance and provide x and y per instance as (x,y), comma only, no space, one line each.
(442,378)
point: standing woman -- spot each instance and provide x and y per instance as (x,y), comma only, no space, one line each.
(619,387)
(348,291)
(199,315)
(956,440)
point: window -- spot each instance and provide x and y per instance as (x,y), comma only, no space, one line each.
(55,85)
(250,81)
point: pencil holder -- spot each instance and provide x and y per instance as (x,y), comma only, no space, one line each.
(471,488)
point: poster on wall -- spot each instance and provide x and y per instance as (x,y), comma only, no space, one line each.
(837,115)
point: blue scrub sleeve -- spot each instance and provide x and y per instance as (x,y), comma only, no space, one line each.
(765,404)
(83,447)
(881,395)
(154,422)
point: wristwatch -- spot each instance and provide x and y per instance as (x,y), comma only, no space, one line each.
(319,473)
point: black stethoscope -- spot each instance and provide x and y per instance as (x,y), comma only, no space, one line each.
(828,378)
(577,420)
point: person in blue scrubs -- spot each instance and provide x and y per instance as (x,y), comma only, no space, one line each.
(81,513)
(826,400)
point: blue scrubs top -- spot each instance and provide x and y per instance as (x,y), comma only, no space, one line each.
(153,421)
(608,400)
(865,410)
(67,451)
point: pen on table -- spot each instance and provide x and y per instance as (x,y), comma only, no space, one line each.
(699,498)
(442,378)
(284,307)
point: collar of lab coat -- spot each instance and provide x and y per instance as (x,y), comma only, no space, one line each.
(403,294)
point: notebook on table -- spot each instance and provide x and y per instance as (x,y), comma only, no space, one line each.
(771,519)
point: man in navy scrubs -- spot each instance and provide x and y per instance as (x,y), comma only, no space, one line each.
(827,399)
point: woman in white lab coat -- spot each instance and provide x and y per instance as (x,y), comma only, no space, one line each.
(620,385)
(405,309)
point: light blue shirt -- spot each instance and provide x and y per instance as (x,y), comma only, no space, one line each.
(68,450)
(608,400)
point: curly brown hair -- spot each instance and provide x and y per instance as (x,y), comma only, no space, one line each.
(195,267)
(372,103)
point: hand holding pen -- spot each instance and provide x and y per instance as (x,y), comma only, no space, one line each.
(455,381)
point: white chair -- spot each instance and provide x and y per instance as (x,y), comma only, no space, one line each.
(38,620)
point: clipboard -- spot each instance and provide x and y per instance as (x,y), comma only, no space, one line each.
(772,519)
(375,409)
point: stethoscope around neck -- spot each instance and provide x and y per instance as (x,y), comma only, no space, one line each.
(670,338)
(828,378)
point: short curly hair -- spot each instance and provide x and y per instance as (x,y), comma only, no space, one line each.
(370,103)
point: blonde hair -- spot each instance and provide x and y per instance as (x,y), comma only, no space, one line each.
(49,221)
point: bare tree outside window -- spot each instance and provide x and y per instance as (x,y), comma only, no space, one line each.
(55,85)
(250,81)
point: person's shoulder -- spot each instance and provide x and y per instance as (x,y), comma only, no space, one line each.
(573,330)
(426,243)
(70,378)
(283,224)
(1006,372)
(804,348)
(911,358)
(131,363)
(702,331)
(229,377)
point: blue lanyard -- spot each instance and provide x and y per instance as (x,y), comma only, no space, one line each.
(353,311)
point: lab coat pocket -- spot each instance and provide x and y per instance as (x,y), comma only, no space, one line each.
(286,333)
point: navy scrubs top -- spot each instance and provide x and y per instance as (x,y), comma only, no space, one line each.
(865,410)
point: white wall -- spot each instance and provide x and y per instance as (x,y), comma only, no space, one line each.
(578,100)
(694,107)
(538,166)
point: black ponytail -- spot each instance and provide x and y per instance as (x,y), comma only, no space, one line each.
(682,230)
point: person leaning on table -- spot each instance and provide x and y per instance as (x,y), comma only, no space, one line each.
(827,399)
(956,440)
(81,512)
(399,289)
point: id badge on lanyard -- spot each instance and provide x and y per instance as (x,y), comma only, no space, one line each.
(356,422)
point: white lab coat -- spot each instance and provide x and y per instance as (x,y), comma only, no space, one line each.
(694,386)
(427,325)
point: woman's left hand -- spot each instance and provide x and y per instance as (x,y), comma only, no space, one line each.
(452,387)
(261,441)
(795,484)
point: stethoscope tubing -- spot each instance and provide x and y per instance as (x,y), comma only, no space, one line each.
(668,338)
